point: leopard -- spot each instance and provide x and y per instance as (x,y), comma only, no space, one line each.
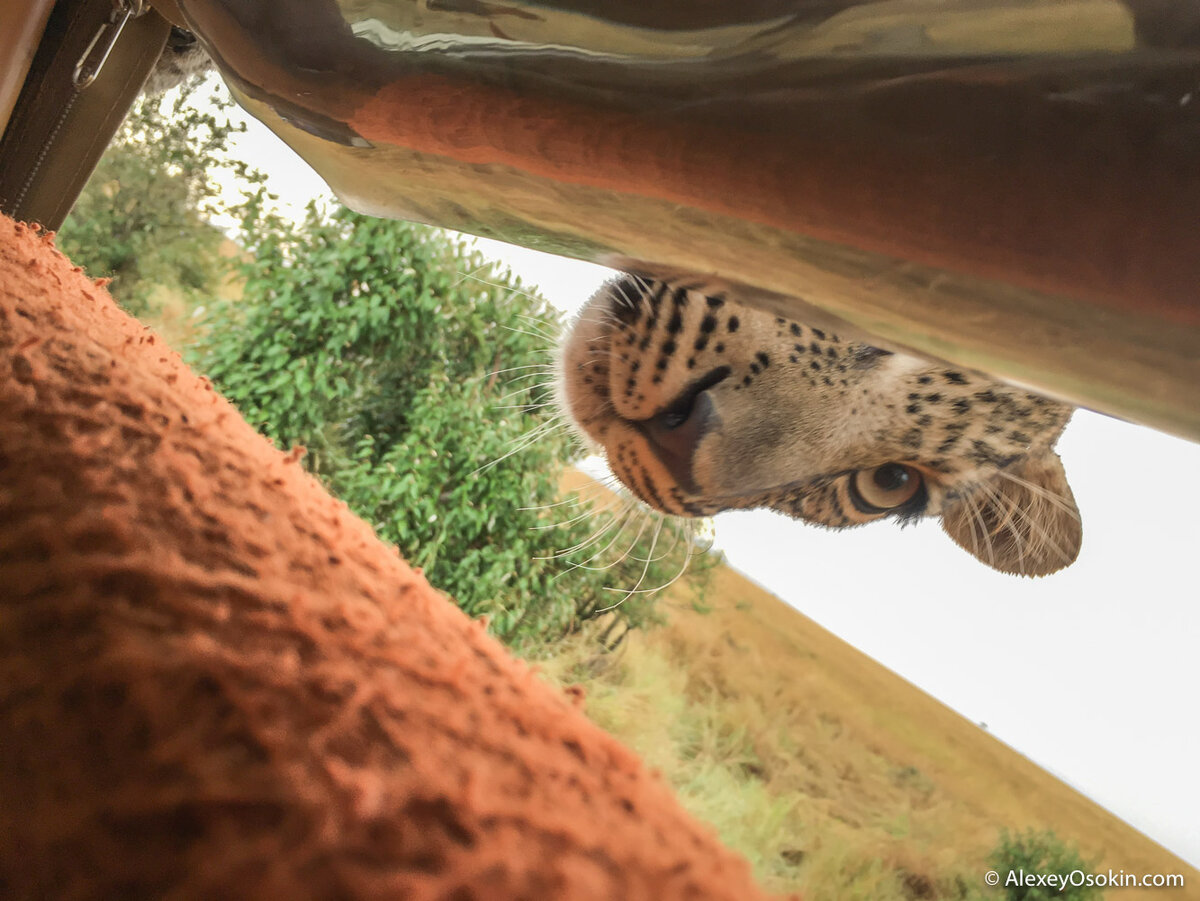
(702,403)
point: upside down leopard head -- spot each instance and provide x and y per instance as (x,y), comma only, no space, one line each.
(702,404)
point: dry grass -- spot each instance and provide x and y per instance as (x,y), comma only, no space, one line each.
(176,318)
(834,776)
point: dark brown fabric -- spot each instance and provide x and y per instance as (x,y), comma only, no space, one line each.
(215,682)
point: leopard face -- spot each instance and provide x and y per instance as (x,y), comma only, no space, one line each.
(702,404)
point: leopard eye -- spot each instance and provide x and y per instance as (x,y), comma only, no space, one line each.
(885,487)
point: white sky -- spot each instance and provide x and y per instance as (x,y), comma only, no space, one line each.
(1091,672)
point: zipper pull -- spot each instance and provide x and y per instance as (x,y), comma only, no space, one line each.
(96,54)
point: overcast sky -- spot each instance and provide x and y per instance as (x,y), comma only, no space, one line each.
(1090,672)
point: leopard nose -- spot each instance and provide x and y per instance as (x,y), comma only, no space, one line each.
(676,433)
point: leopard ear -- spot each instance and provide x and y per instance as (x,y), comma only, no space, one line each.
(1023,520)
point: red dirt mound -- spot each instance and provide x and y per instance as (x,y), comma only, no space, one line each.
(215,682)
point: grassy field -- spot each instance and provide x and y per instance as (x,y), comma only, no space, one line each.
(833,775)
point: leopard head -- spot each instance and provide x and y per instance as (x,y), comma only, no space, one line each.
(702,404)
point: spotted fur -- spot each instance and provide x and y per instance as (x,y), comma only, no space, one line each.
(703,404)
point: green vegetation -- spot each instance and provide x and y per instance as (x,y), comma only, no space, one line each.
(144,218)
(416,376)
(1040,852)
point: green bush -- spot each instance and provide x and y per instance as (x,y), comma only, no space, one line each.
(143,218)
(381,346)
(1033,853)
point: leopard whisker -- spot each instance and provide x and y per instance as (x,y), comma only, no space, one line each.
(1036,529)
(541,327)
(524,389)
(527,408)
(687,559)
(588,510)
(544,367)
(979,528)
(526,440)
(507,289)
(539,335)
(645,518)
(1012,523)
(624,519)
(1046,495)
(645,570)
(664,520)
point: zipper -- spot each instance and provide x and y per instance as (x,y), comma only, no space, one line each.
(97,52)
(67,111)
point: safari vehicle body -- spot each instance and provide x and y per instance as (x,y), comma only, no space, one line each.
(1007,185)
